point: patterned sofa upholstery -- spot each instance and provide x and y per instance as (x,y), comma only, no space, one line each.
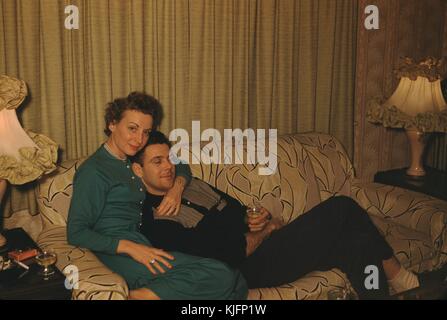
(311,168)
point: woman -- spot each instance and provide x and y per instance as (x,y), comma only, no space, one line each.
(105,215)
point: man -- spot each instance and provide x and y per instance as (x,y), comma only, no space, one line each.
(336,233)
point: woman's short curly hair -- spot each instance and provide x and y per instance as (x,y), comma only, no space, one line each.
(138,101)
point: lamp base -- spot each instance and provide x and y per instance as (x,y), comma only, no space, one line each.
(416,172)
(417,140)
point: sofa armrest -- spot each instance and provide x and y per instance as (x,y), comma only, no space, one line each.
(410,209)
(96,281)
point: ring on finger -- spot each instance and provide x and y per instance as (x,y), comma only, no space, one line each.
(152,261)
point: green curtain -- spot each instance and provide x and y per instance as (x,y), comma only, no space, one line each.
(285,64)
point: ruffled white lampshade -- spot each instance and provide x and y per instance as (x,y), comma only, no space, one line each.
(417,96)
(24,155)
(418,102)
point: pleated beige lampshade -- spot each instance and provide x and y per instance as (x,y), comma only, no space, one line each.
(417,96)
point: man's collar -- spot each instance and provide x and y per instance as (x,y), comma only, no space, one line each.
(154,200)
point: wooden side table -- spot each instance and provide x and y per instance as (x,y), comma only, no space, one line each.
(18,284)
(433,184)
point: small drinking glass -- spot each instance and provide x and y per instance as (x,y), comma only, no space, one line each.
(46,259)
(253,211)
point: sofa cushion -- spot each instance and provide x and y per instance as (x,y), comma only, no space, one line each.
(409,208)
(331,165)
(289,192)
(54,194)
(313,286)
(412,248)
(88,277)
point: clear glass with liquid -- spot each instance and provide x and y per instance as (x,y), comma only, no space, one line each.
(46,260)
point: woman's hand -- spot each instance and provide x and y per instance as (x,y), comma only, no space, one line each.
(170,205)
(151,257)
(258,223)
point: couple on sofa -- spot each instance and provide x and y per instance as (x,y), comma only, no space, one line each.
(173,237)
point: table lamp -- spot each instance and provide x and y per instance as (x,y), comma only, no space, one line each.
(417,105)
(24,156)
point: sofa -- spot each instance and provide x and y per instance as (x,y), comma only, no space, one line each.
(311,167)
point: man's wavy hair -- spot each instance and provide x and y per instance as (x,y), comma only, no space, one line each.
(138,101)
(155,137)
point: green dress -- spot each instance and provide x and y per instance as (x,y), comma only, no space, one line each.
(106,207)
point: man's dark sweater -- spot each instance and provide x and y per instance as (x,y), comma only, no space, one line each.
(219,234)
